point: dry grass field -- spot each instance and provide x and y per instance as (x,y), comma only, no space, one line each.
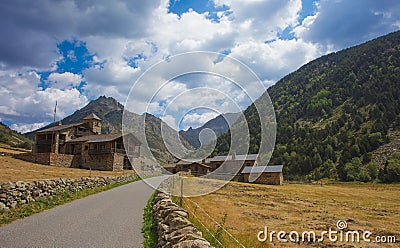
(12,169)
(299,207)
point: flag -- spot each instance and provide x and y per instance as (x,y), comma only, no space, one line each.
(55,108)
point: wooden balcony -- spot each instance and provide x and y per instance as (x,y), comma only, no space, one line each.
(82,133)
(106,150)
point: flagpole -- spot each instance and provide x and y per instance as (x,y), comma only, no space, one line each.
(55,110)
(54,122)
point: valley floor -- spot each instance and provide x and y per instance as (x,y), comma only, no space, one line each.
(249,208)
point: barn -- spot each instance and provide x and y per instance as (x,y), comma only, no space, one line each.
(271,174)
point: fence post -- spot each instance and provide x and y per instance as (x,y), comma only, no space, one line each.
(181,199)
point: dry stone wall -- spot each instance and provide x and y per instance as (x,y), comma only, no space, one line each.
(13,194)
(173,226)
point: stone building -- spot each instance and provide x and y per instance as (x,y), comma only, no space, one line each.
(223,167)
(241,168)
(272,174)
(244,159)
(193,168)
(82,145)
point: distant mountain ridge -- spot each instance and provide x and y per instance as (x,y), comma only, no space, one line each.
(219,125)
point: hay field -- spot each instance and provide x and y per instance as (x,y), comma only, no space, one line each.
(299,207)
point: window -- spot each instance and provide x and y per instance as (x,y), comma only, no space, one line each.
(86,148)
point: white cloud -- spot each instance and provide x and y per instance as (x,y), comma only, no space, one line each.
(24,128)
(23,101)
(195,120)
(170,120)
(262,20)
(116,32)
(340,24)
(31,30)
(64,80)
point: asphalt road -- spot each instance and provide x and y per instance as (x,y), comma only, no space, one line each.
(111,218)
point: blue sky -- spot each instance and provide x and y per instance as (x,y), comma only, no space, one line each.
(75,51)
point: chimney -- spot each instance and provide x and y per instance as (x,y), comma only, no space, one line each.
(59,123)
(233,155)
(203,161)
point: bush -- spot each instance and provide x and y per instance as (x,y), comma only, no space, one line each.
(373,169)
(356,171)
(391,172)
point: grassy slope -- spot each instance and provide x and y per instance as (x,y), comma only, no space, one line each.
(13,138)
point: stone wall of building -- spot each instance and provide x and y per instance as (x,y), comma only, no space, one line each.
(274,178)
(173,227)
(98,161)
(118,161)
(65,160)
(19,193)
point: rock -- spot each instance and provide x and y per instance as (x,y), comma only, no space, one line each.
(186,230)
(20,184)
(173,227)
(13,204)
(198,243)
(178,222)
(3,207)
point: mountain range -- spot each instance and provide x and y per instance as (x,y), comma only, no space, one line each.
(338,117)
(218,125)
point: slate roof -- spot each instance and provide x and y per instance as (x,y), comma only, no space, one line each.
(237,157)
(169,166)
(92,116)
(261,169)
(206,161)
(99,138)
(59,128)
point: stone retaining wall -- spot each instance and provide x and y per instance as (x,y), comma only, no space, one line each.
(173,227)
(39,158)
(19,193)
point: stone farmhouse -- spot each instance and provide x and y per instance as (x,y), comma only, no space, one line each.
(81,145)
(241,167)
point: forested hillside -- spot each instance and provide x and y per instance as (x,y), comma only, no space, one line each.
(334,112)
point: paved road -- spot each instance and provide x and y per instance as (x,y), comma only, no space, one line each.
(109,219)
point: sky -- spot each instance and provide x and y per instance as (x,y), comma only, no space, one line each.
(75,51)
